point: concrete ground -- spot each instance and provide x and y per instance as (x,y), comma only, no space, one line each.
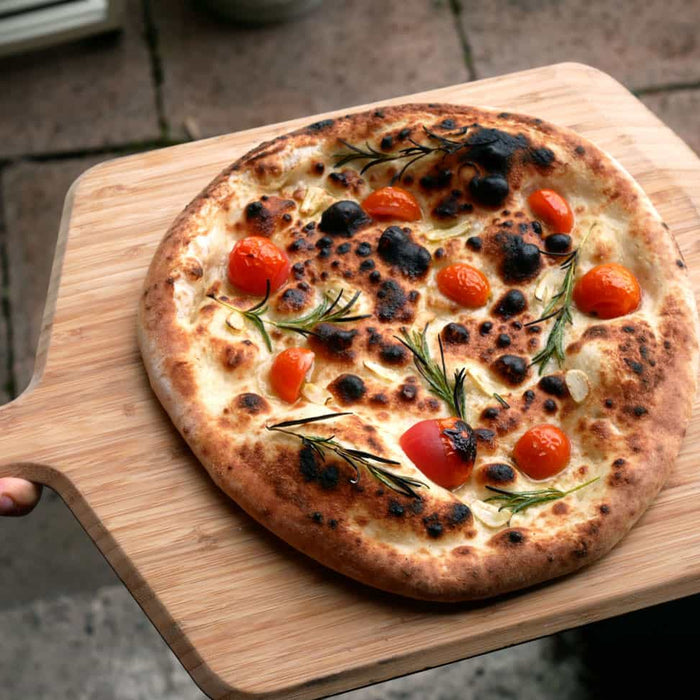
(68,629)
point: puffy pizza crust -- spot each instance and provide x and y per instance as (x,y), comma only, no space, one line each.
(212,379)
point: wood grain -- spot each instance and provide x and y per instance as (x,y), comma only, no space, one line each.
(247,615)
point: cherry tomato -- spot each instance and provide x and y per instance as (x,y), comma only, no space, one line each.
(288,372)
(542,451)
(608,291)
(444,450)
(553,209)
(464,284)
(392,203)
(253,261)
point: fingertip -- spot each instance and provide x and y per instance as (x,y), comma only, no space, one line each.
(18,496)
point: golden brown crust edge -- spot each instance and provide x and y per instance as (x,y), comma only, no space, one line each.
(516,558)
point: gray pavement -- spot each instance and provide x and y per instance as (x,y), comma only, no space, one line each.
(68,628)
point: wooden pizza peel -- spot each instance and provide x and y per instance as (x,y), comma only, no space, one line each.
(246,614)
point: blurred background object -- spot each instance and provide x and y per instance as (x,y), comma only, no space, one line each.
(176,72)
(254,12)
(33,24)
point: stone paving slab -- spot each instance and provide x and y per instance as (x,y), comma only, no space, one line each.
(32,198)
(220,78)
(679,109)
(87,94)
(101,646)
(638,43)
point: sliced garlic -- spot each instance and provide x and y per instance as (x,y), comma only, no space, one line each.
(316,394)
(235,322)
(549,285)
(578,385)
(461,229)
(382,371)
(479,377)
(314,200)
(489,514)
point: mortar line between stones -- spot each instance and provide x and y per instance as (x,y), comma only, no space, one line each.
(118,149)
(456,8)
(667,87)
(151,37)
(6,305)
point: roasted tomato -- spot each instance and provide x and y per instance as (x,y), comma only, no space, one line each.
(553,209)
(608,291)
(444,450)
(464,284)
(542,451)
(255,260)
(392,203)
(288,372)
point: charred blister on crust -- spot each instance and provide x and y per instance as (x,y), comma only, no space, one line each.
(250,403)
(335,342)
(397,248)
(495,474)
(393,303)
(235,356)
(348,389)
(264,216)
(513,537)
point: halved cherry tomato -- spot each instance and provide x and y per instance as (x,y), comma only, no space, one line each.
(464,284)
(608,291)
(288,372)
(392,203)
(444,450)
(553,209)
(253,261)
(542,451)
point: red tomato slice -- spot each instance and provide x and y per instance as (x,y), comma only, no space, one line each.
(444,450)
(255,260)
(392,203)
(608,291)
(542,451)
(553,209)
(288,372)
(464,284)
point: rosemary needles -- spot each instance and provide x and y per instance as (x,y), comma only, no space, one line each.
(357,459)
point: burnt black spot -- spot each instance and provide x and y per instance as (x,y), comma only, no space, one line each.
(580,150)
(404,133)
(475,243)
(439,253)
(462,440)
(438,180)
(343,219)
(393,354)
(605,509)
(680,263)
(557,243)
(432,525)
(408,392)
(529,396)
(447,208)
(460,513)
(254,210)
(367,265)
(511,304)
(455,334)
(537,227)
(328,478)
(493,149)
(348,388)
(343,248)
(639,411)
(335,340)
(609,403)
(298,270)
(553,384)
(511,368)
(515,537)
(251,403)
(320,126)
(503,340)
(293,299)
(490,191)
(498,473)
(447,124)
(396,509)
(485,435)
(308,463)
(636,367)
(619,462)
(317,517)
(386,143)
(490,413)
(550,406)
(375,276)
(333,523)
(392,299)
(324,242)
(542,157)
(363,249)
(485,328)
(319,168)
(396,247)
(521,261)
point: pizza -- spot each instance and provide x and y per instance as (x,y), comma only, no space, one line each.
(446,351)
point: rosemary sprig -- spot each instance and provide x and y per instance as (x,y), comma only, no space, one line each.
(253,314)
(518,501)
(355,458)
(451,391)
(446,145)
(559,308)
(328,311)
(501,400)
